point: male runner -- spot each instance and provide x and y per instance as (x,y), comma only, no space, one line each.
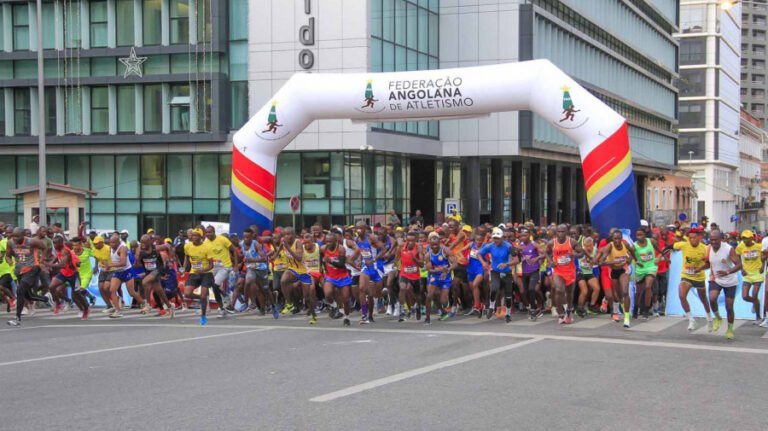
(6,277)
(503,259)
(561,252)
(224,259)
(198,261)
(411,258)
(530,265)
(67,264)
(337,280)
(121,271)
(645,270)
(694,254)
(752,272)
(368,249)
(440,263)
(588,282)
(723,264)
(257,273)
(157,259)
(28,255)
(296,276)
(619,254)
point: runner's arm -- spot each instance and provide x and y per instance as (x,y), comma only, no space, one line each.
(235,258)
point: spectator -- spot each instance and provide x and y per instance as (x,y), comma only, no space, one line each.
(34,226)
(417,219)
(393,220)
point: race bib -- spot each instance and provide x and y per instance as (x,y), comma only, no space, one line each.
(646,257)
(150,265)
(473,254)
(365,254)
(563,260)
(280,266)
(197,265)
(312,263)
(751,255)
(691,271)
(410,269)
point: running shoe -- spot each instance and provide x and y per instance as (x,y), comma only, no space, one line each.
(109,310)
(389,310)
(65,307)
(445,316)
(275,312)
(401,319)
(691,325)
(146,308)
(287,309)
(364,320)
(85,314)
(604,306)
(539,313)
(626,320)
(418,313)
(452,311)
(729,334)
(765,323)
(489,313)
(615,317)
(116,315)
(646,315)
(15,323)
(295,310)
(561,320)
(203,320)
(171,313)
(92,300)
(29,311)
(313,320)
(11,304)
(50,303)
(501,311)
(371,319)
(710,326)
(554,312)
(427,321)
(568,319)
(57,309)
(474,312)
(161,313)
(581,313)
(507,318)
(717,324)
(346,322)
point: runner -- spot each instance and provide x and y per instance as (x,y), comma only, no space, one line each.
(198,261)
(503,259)
(368,249)
(750,253)
(121,271)
(692,274)
(7,278)
(561,252)
(28,258)
(296,281)
(723,265)
(157,259)
(476,274)
(588,282)
(645,271)
(619,255)
(531,263)
(256,280)
(337,279)
(224,259)
(311,260)
(440,263)
(411,258)
(67,264)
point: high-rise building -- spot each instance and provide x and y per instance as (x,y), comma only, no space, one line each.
(754,40)
(155,146)
(709,104)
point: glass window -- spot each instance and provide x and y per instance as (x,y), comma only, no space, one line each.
(225,175)
(375,18)
(103,176)
(692,82)
(103,66)
(206,175)
(692,146)
(179,176)
(77,171)
(152,22)
(49,26)
(126,108)
(204,101)
(434,36)
(99,110)
(153,108)
(157,65)
(180,108)
(239,101)
(98,16)
(238,61)
(693,50)
(73,105)
(412,35)
(388,19)
(204,23)
(26,171)
(238,19)
(152,176)
(22,118)
(423,30)
(124,22)
(50,111)
(180,21)
(25,69)
(316,176)
(399,23)
(288,174)
(127,171)
(20,27)
(2,112)
(7,174)
(72,36)
(692,114)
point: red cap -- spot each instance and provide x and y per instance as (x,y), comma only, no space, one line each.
(697,229)
(278,230)
(267,232)
(733,233)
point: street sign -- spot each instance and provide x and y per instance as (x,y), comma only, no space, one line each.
(295,204)
(682,217)
(734,218)
(451,206)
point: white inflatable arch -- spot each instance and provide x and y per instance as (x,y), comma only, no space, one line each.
(538,86)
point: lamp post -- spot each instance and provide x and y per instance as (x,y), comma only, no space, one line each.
(41,175)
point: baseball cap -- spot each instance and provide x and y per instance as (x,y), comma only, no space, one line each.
(467,228)
(699,229)
(168,241)
(266,232)
(746,233)
(278,230)
(644,223)
(150,230)
(198,231)
(98,240)
(124,231)
(497,233)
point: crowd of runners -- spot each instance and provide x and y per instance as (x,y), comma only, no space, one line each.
(358,272)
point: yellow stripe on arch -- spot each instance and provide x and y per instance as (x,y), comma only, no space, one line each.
(609,176)
(261,200)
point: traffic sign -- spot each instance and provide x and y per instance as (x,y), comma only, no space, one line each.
(451,206)
(295,204)
(734,218)
(682,217)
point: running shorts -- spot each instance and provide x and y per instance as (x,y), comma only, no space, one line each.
(124,276)
(730,291)
(372,273)
(200,280)
(72,280)
(616,273)
(754,277)
(415,284)
(339,282)
(695,283)
(461,273)
(303,278)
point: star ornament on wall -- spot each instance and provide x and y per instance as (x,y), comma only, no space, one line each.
(133,64)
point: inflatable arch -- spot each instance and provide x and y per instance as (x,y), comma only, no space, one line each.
(538,85)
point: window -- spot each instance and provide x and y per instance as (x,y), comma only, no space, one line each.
(152,176)
(206,176)
(73,106)
(49,26)
(316,176)
(692,146)
(179,176)
(693,50)
(98,15)
(50,111)
(204,22)
(239,101)
(20,20)
(693,19)
(127,172)
(691,82)
(2,110)
(99,110)
(153,108)
(179,108)
(758,64)
(126,109)
(72,15)
(204,101)
(691,114)
(124,22)
(152,22)
(238,21)
(22,119)
(180,21)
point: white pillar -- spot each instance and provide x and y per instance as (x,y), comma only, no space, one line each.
(139,91)
(165,23)
(8,100)
(34,106)
(112,112)
(138,24)
(111,24)
(166,108)
(33,30)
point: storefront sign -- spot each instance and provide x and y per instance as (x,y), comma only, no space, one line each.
(307,38)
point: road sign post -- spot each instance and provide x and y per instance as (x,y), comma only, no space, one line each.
(295,204)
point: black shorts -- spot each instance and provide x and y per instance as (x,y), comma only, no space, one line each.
(502,280)
(71,280)
(660,283)
(530,281)
(6,281)
(460,272)
(586,277)
(696,284)
(104,276)
(200,280)
(616,273)
(356,280)
(276,280)
(730,291)
(415,284)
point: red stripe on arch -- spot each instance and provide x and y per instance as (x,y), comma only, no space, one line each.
(605,156)
(253,175)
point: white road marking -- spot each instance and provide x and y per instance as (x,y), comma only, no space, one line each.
(702,330)
(134,346)
(657,324)
(528,322)
(591,323)
(416,372)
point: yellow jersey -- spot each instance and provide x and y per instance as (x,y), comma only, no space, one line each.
(750,257)
(102,256)
(199,256)
(693,259)
(293,264)
(220,251)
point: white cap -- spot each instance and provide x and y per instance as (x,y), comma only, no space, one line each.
(125,231)
(644,223)
(497,233)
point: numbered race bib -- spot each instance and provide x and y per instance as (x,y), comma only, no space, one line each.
(150,265)
(197,265)
(646,257)
(279,266)
(563,260)
(312,263)
(691,271)
(751,255)
(473,254)
(217,263)
(365,254)
(410,269)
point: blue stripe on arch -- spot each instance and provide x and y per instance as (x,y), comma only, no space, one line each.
(617,210)
(242,217)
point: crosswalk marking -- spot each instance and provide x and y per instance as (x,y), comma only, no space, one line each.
(703,329)
(591,323)
(657,324)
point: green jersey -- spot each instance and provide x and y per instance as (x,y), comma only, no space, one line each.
(4,267)
(646,259)
(86,268)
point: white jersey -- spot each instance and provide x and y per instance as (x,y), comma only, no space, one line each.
(720,260)
(348,252)
(114,255)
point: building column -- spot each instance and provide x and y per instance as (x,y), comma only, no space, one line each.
(568,196)
(537,195)
(165,23)
(139,109)
(516,204)
(138,24)
(7,27)
(580,198)
(34,106)
(112,111)
(85,25)
(469,190)
(193,112)
(166,123)
(58,11)
(111,24)
(193,21)
(551,194)
(497,191)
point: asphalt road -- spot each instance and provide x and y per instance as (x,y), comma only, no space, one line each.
(252,372)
